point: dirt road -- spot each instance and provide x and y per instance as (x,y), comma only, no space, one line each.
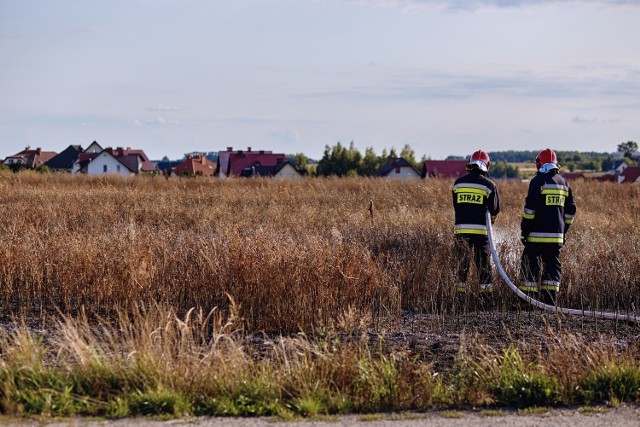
(609,417)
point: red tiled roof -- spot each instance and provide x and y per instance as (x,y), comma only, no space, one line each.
(34,158)
(126,154)
(570,176)
(86,156)
(631,174)
(444,168)
(607,178)
(232,163)
(196,165)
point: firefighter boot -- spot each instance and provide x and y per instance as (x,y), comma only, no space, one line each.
(548,296)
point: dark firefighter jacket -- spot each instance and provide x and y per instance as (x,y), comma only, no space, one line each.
(549,209)
(473,194)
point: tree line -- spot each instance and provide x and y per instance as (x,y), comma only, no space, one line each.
(342,160)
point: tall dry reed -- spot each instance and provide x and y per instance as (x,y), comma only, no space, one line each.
(294,256)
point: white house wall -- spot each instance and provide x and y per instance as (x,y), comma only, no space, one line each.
(113,166)
(288,172)
(403,173)
(93,148)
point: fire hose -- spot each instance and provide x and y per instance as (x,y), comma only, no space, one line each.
(541,305)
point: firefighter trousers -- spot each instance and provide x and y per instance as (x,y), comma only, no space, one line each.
(476,246)
(540,267)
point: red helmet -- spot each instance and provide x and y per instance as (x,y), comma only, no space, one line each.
(547,156)
(479,159)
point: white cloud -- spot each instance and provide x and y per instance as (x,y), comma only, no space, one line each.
(162,107)
(472,5)
(157,121)
(596,83)
(584,120)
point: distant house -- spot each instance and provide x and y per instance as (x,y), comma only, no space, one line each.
(233,163)
(618,167)
(166,166)
(195,165)
(397,168)
(443,168)
(118,161)
(29,158)
(573,176)
(65,161)
(84,158)
(606,178)
(630,175)
(283,170)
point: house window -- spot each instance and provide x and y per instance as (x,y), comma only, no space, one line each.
(397,170)
(118,168)
(104,168)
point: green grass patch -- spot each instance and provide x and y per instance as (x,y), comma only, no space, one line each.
(534,410)
(589,410)
(523,385)
(493,413)
(451,414)
(611,385)
(172,373)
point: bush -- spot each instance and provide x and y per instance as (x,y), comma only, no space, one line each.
(522,385)
(611,384)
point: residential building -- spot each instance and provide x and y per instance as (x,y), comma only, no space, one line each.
(232,163)
(119,161)
(618,167)
(397,168)
(66,160)
(29,158)
(283,170)
(443,168)
(195,165)
(630,175)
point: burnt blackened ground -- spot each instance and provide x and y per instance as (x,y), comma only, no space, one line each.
(438,338)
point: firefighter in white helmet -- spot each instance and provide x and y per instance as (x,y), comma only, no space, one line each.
(549,210)
(473,194)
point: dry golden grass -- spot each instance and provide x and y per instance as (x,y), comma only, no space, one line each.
(294,256)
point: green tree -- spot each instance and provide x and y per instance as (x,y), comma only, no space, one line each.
(502,169)
(299,160)
(409,155)
(606,163)
(628,148)
(339,161)
(370,162)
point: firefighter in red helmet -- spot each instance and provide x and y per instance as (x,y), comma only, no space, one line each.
(549,211)
(473,194)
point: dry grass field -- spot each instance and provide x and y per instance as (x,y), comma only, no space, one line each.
(293,256)
(152,288)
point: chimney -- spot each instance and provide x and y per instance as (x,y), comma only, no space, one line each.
(248,149)
(229,148)
(203,159)
(38,150)
(392,160)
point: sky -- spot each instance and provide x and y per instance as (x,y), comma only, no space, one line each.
(293,76)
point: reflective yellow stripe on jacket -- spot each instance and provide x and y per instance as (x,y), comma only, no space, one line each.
(528,213)
(472,188)
(535,237)
(471,229)
(560,190)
